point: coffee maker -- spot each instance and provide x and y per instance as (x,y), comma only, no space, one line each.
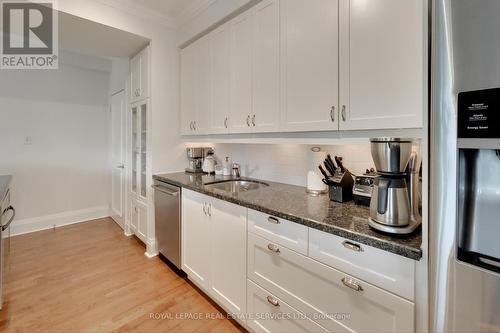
(394,206)
(195,156)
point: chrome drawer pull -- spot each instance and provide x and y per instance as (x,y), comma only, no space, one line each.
(350,283)
(352,246)
(273,301)
(273,248)
(273,220)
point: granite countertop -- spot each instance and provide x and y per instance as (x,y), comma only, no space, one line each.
(292,203)
(4,185)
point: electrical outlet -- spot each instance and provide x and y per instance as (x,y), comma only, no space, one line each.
(28,140)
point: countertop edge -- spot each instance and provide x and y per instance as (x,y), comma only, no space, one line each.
(402,250)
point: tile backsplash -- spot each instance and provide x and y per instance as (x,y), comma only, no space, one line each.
(289,163)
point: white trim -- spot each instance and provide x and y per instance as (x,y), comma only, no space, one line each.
(192,11)
(24,226)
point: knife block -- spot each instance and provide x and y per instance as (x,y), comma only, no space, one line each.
(341,190)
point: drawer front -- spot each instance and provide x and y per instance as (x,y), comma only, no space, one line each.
(285,233)
(268,313)
(340,302)
(381,268)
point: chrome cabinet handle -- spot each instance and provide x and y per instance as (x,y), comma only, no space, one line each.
(248,120)
(273,301)
(352,246)
(191,125)
(138,92)
(332,114)
(205,208)
(350,283)
(344,116)
(194,125)
(274,220)
(225,122)
(209,209)
(253,120)
(4,227)
(120,166)
(273,247)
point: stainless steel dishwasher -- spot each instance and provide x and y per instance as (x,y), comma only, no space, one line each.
(168,221)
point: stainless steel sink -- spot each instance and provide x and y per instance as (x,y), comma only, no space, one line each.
(236,185)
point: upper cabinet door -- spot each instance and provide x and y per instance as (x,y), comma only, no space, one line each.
(241,73)
(203,87)
(383,61)
(188,89)
(309,60)
(219,60)
(139,76)
(266,81)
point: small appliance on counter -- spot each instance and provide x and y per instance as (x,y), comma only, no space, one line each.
(363,188)
(315,185)
(340,180)
(196,157)
(394,205)
(209,162)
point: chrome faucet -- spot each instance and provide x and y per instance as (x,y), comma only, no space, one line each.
(236,170)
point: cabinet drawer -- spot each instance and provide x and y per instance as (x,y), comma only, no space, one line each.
(285,233)
(386,270)
(278,317)
(341,302)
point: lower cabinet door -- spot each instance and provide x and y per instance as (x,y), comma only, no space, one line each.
(268,313)
(340,302)
(139,220)
(228,254)
(195,238)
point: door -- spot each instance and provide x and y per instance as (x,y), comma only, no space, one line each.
(118,158)
(139,220)
(383,52)
(241,73)
(135,77)
(228,257)
(219,62)
(188,89)
(195,237)
(203,87)
(309,60)
(266,80)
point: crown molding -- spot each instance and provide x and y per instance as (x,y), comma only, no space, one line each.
(141,12)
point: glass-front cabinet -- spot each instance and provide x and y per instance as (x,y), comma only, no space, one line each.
(139,148)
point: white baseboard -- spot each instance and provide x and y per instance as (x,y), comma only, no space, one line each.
(24,226)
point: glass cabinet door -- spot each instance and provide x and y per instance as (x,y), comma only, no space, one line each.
(144,143)
(139,148)
(135,145)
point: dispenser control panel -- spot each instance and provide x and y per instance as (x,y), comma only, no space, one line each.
(479,114)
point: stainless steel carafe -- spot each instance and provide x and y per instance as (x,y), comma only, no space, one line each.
(395,196)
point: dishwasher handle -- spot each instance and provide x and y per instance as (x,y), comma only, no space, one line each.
(165,190)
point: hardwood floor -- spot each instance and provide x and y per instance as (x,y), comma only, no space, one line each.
(89,277)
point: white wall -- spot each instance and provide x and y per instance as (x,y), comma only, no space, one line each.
(289,163)
(62,173)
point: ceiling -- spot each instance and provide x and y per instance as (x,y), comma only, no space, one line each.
(87,37)
(171,8)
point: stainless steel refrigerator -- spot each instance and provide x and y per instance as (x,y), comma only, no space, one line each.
(464,223)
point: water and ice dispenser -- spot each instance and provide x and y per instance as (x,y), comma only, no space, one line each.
(479,178)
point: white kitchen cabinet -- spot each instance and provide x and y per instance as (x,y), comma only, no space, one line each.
(309,64)
(140,180)
(139,219)
(213,248)
(383,66)
(228,254)
(241,46)
(195,237)
(139,76)
(195,87)
(219,62)
(283,317)
(265,78)
(316,289)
